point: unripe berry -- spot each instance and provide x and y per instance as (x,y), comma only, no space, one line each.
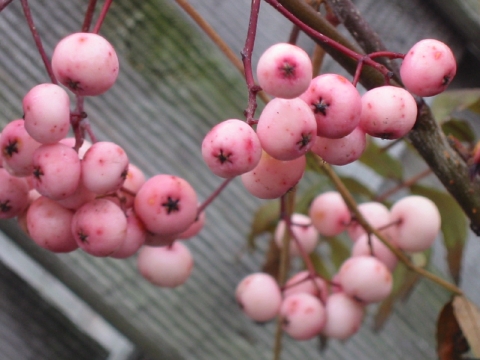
(168,266)
(286,128)
(428,68)
(259,296)
(329,213)
(46,110)
(86,63)
(388,112)
(304,232)
(231,148)
(284,70)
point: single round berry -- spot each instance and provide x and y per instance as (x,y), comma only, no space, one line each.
(286,128)
(259,296)
(46,109)
(329,213)
(86,63)
(372,246)
(231,148)
(166,204)
(167,266)
(303,316)
(14,195)
(377,215)
(388,112)
(428,68)
(303,231)
(336,104)
(344,316)
(302,282)
(284,70)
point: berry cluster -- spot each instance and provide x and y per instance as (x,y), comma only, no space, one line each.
(70,194)
(310,305)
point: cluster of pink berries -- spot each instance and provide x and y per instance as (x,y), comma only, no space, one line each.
(310,305)
(90,197)
(325,115)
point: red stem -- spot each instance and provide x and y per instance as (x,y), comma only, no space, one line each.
(212,196)
(102,15)
(4,3)
(38,41)
(89,15)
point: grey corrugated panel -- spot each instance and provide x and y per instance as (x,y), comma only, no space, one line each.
(161,128)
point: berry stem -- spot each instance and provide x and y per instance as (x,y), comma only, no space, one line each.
(352,205)
(213,195)
(101,17)
(38,41)
(4,4)
(89,15)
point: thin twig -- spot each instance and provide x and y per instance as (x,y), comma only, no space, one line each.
(213,196)
(87,21)
(4,4)
(101,17)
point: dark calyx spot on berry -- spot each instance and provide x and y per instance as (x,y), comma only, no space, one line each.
(287,70)
(124,173)
(306,138)
(171,205)
(320,107)
(73,85)
(5,206)
(11,148)
(446,80)
(83,237)
(385,135)
(37,173)
(223,157)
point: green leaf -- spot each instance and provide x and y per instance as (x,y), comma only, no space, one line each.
(319,265)
(265,220)
(459,129)
(381,162)
(454,100)
(454,226)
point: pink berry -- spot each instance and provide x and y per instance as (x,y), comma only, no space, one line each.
(14,197)
(17,148)
(286,128)
(56,171)
(134,237)
(49,225)
(388,112)
(344,316)
(329,213)
(428,68)
(70,141)
(166,204)
(380,250)
(272,178)
(303,316)
(365,278)
(419,223)
(341,151)
(156,240)
(377,215)
(231,148)
(284,70)
(301,282)
(80,196)
(336,104)
(168,266)
(46,110)
(304,232)
(99,227)
(86,63)
(194,228)
(259,296)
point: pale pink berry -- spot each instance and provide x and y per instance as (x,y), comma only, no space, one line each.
(302,282)
(49,225)
(86,63)
(388,112)
(428,68)
(231,148)
(303,316)
(194,228)
(303,231)
(80,196)
(341,151)
(272,178)
(336,104)
(156,240)
(134,237)
(56,171)
(104,167)
(99,227)
(259,296)
(46,109)
(374,247)
(284,70)
(329,213)
(166,204)
(419,223)
(168,266)
(377,215)
(365,278)
(286,128)
(14,195)
(344,316)
(17,148)
(70,141)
